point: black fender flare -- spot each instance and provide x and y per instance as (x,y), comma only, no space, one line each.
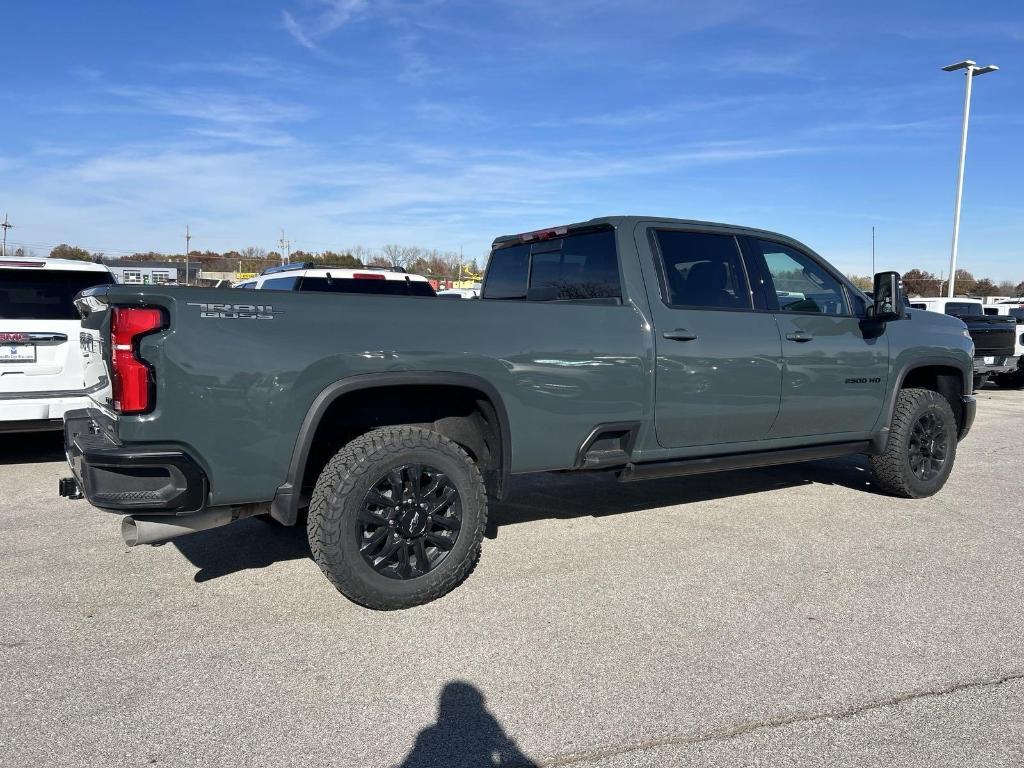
(881,436)
(285,506)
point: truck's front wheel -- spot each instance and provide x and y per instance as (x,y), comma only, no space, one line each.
(919,454)
(397,517)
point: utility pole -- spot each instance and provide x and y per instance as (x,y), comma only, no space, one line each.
(6,225)
(188,239)
(972,71)
(872,251)
(286,249)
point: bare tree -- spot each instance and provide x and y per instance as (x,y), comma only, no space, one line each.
(253,252)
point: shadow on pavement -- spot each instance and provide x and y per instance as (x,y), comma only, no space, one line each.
(31,447)
(465,735)
(250,544)
(241,546)
(596,494)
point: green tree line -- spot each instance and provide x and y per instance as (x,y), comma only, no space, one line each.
(920,282)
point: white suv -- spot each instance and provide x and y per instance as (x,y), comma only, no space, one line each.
(44,352)
(303,276)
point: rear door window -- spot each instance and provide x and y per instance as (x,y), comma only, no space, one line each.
(508,273)
(702,270)
(573,268)
(280,284)
(47,294)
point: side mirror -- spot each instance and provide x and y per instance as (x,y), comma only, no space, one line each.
(888,297)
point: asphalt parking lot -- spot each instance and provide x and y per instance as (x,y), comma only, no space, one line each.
(786,616)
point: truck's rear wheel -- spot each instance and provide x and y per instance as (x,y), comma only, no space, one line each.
(922,446)
(397,517)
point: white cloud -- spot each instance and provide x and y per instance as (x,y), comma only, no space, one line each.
(293,29)
(330,16)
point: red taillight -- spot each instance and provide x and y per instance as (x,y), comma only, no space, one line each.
(368,276)
(133,379)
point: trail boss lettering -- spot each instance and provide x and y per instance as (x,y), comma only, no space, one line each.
(237,311)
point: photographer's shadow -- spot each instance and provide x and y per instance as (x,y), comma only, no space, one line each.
(465,735)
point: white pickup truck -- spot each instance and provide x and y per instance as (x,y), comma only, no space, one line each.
(1011,308)
(43,347)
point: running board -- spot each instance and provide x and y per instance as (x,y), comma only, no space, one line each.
(709,464)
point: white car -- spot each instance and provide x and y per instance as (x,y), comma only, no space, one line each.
(45,354)
(372,280)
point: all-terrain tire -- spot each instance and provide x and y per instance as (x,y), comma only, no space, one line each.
(334,514)
(1010,380)
(892,468)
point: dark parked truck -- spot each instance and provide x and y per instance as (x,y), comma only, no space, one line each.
(994,336)
(644,347)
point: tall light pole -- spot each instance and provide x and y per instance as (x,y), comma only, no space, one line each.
(188,239)
(972,70)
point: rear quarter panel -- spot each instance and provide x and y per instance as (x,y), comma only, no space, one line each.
(234,392)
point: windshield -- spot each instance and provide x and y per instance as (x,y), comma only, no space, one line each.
(44,294)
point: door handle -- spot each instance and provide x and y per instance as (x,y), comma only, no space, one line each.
(800,336)
(680,334)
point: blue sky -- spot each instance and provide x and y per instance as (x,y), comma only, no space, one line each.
(445,123)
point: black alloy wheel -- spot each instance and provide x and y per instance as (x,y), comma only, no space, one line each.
(929,446)
(397,517)
(409,521)
(920,447)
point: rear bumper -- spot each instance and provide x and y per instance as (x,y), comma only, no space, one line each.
(30,414)
(120,478)
(969,411)
(998,364)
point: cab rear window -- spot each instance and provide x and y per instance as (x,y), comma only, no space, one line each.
(46,294)
(576,267)
(963,308)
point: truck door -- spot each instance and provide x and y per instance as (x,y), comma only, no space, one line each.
(718,377)
(835,366)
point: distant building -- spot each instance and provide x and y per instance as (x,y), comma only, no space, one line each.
(152,272)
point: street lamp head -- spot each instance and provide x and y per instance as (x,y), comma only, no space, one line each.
(960,65)
(985,70)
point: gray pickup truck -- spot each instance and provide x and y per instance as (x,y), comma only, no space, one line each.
(645,347)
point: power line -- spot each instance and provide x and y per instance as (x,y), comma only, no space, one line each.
(6,225)
(286,245)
